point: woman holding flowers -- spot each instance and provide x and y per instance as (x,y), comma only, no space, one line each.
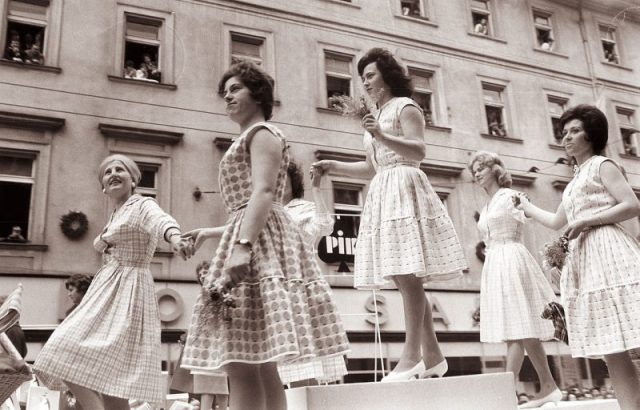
(405,235)
(600,283)
(514,291)
(283,306)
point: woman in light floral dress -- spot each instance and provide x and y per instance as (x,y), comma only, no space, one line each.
(108,349)
(283,306)
(600,282)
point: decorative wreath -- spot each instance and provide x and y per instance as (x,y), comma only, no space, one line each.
(74,224)
(480,248)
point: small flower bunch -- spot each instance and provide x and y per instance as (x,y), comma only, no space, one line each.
(223,302)
(555,253)
(349,106)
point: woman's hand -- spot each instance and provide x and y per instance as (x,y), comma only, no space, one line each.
(181,246)
(322,167)
(237,266)
(371,124)
(520,201)
(198,237)
(575,228)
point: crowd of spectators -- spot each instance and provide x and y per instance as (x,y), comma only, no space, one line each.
(27,49)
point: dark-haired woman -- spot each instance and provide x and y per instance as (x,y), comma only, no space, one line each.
(600,282)
(284,310)
(405,235)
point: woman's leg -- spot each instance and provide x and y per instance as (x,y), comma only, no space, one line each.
(414,302)
(88,398)
(538,358)
(115,403)
(431,353)
(273,389)
(625,380)
(515,357)
(245,387)
(206,401)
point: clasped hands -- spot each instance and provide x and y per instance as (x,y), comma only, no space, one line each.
(574,229)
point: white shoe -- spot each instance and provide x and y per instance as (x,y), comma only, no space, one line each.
(410,374)
(553,397)
(436,371)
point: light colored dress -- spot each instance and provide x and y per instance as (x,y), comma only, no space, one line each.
(110,343)
(404,228)
(513,290)
(284,307)
(600,283)
(314,225)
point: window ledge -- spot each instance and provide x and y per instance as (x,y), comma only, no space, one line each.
(507,139)
(419,20)
(551,52)
(222,143)
(330,111)
(560,184)
(30,122)
(620,66)
(140,134)
(438,128)
(344,3)
(164,254)
(17,246)
(488,37)
(556,147)
(629,156)
(26,66)
(140,82)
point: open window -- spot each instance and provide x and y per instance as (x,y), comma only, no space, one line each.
(26,31)
(494,106)
(628,130)
(423,92)
(609,44)
(338,73)
(142,48)
(481,17)
(543,26)
(557,106)
(16,189)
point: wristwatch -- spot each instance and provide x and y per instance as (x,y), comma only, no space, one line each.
(245,242)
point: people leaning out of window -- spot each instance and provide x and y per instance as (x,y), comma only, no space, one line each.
(28,51)
(147,70)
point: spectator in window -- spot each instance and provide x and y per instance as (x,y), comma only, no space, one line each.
(481,27)
(76,285)
(107,350)
(547,45)
(141,73)
(406,236)
(129,69)
(16,235)
(34,55)
(611,56)
(13,48)
(152,68)
(496,128)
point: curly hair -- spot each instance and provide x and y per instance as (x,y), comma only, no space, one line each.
(393,74)
(594,123)
(493,161)
(79,281)
(297,180)
(202,265)
(259,83)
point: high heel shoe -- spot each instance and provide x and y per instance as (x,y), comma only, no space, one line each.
(555,396)
(410,374)
(436,371)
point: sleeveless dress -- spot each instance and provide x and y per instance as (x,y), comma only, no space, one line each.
(110,343)
(404,227)
(600,283)
(284,310)
(513,290)
(314,225)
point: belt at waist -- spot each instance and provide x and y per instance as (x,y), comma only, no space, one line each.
(398,164)
(274,204)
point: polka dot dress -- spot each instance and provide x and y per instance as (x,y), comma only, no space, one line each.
(284,311)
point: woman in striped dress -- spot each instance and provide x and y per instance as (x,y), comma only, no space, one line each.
(107,350)
(600,282)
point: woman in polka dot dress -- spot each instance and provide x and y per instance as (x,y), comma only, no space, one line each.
(600,282)
(284,310)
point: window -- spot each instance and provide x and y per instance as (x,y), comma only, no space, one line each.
(246,47)
(543,30)
(494,109)
(142,48)
(347,201)
(557,106)
(609,46)
(481,17)
(26,29)
(338,68)
(412,8)
(16,186)
(627,130)
(423,92)
(148,185)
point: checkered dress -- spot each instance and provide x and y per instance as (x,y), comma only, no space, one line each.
(111,342)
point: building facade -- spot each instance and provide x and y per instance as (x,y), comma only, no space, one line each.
(79,81)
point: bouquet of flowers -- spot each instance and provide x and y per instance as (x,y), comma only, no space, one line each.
(223,301)
(351,107)
(555,253)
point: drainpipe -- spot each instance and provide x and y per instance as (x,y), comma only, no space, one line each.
(587,53)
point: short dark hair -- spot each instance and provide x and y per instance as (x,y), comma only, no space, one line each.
(202,265)
(259,83)
(393,74)
(297,179)
(594,123)
(79,281)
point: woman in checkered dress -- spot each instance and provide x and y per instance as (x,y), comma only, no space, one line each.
(108,349)
(283,306)
(514,291)
(600,282)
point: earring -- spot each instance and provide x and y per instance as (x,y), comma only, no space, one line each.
(133,185)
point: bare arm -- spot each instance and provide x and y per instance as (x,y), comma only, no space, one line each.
(361,169)
(411,145)
(549,219)
(201,235)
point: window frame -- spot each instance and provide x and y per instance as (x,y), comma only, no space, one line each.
(340,55)
(629,111)
(551,28)
(267,48)
(563,101)
(251,38)
(435,115)
(426,10)
(503,105)
(616,43)
(30,180)
(489,13)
